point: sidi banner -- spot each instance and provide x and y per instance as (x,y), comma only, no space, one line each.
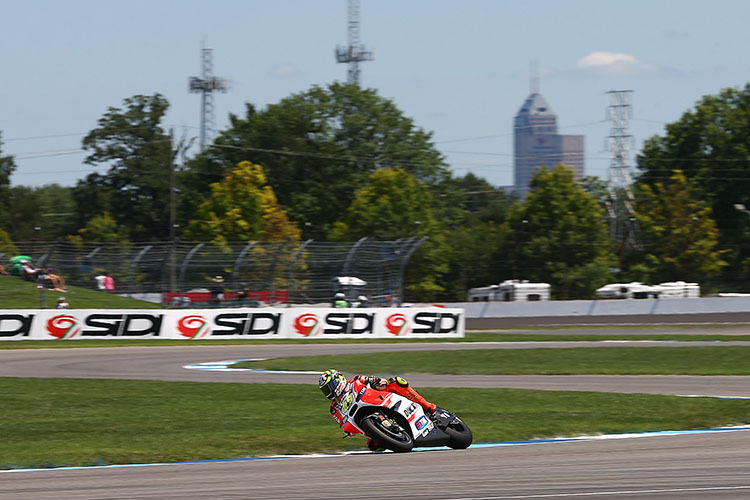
(250,323)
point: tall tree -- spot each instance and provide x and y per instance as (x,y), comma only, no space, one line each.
(393,204)
(7,166)
(558,235)
(317,148)
(135,189)
(472,212)
(42,213)
(677,235)
(710,144)
(242,207)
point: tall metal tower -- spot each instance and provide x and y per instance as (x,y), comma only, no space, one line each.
(620,205)
(206,85)
(354,53)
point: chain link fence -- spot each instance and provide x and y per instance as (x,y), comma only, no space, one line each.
(204,274)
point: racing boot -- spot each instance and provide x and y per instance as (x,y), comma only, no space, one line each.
(401,387)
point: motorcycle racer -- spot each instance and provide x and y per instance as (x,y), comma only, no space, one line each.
(335,387)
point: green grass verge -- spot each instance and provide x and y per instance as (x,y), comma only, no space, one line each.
(16,293)
(726,360)
(470,337)
(72,422)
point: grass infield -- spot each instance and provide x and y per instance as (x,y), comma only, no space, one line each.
(77,422)
(718,360)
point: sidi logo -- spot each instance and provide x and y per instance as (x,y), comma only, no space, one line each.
(193,326)
(125,325)
(12,325)
(429,322)
(397,324)
(63,326)
(349,323)
(308,325)
(258,323)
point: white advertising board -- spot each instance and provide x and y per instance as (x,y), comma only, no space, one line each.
(247,323)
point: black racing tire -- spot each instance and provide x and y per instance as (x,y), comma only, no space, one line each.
(461,436)
(399,441)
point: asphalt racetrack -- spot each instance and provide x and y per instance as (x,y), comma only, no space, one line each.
(692,465)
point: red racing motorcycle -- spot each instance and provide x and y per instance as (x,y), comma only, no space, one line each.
(399,424)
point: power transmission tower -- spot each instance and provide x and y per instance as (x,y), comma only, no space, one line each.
(620,205)
(206,85)
(354,53)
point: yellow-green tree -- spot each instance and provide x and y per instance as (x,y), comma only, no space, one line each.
(242,207)
(678,237)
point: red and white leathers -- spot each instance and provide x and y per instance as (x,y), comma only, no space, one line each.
(395,384)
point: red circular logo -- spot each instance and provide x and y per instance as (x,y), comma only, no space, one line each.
(63,326)
(307,324)
(193,327)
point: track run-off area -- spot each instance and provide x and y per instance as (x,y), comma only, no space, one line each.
(709,463)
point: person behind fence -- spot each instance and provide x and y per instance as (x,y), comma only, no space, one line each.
(100,279)
(62,303)
(217,290)
(109,283)
(339,300)
(28,271)
(51,280)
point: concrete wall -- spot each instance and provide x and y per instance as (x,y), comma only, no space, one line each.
(615,307)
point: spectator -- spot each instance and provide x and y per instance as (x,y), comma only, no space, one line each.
(109,283)
(217,290)
(62,303)
(363,301)
(52,280)
(28,271)
(2,270)
(100,281)
(339,300)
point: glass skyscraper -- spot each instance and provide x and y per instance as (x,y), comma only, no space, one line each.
(537,143)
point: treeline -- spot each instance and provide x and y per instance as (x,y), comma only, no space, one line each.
(339,163)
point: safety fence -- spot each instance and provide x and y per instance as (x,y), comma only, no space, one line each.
(205,274)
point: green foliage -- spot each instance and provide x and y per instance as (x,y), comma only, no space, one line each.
(710,144)
(102,228)
(135,189)
(472,213)
(7,166)
(317,148)
(393,204)
(677,235)
(44,212)
(6,245)
(242,207)
(558,235)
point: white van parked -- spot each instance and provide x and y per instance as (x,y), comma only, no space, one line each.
(509,291)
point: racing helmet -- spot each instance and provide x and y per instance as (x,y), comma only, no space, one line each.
(332,383)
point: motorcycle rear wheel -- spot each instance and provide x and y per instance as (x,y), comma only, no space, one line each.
(392,436)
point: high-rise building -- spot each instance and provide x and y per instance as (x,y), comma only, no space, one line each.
(537,143)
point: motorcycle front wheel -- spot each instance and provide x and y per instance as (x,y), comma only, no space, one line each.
(387,433)
(461,436)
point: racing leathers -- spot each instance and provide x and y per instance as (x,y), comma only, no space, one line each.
(396,385)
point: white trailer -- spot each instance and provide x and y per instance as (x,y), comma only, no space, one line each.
(509,291)
(637,290)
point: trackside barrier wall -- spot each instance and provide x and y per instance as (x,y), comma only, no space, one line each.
(238,323)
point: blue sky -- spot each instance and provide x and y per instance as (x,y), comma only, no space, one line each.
(459,68)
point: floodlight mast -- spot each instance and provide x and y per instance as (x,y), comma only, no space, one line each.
(354,53)
(206,85)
